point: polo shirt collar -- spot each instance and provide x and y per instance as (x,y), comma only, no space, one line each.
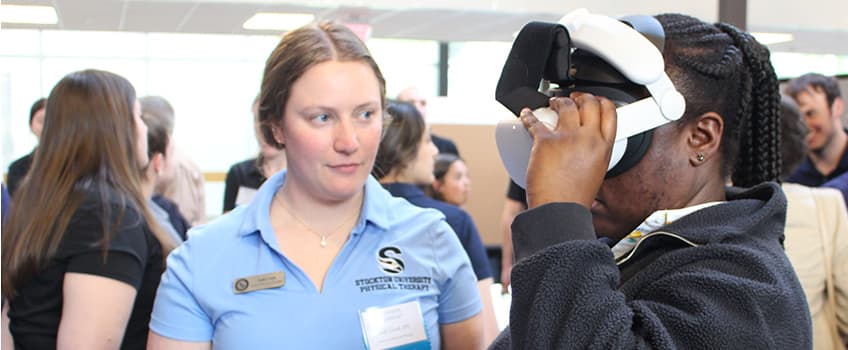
(404,190)
(257,213)
(376,208)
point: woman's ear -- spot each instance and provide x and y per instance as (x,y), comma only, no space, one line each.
(437,186)
(157,162)
(837,108)
(277,131)
(704,137)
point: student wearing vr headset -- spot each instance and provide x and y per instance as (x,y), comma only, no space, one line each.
(699,265)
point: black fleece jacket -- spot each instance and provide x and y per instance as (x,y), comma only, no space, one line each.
(717,278)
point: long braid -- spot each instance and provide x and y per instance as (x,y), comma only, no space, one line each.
(721,69)
(759,154)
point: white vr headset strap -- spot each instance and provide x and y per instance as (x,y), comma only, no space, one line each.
(629,52)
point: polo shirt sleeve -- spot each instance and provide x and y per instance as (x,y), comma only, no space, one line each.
(177,314)
(459,298)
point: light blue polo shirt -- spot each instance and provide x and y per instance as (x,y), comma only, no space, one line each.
(196,299)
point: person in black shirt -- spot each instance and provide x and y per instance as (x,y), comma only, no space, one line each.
(80,263)
(19,168)
(516,202)
(245,177)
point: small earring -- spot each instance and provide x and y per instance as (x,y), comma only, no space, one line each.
(700,157)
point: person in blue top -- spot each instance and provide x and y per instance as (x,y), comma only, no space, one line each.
(404,164)
(323,257)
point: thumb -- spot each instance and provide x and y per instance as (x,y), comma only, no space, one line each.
(535,127)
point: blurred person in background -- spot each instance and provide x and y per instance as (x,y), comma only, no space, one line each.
(414,97)
(451,183)
(816,238)
(821,105)
(245,177)
(183,183)
(160,149)
(515,203)
(19,168)
(82,256)
(404,164)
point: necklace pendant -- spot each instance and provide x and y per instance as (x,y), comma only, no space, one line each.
(323,242)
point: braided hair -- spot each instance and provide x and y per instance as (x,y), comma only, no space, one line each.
(719,68)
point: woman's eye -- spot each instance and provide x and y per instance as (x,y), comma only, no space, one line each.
(366,114)
(321,118)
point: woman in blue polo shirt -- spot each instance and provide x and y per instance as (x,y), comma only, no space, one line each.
(404,164)
(323,257)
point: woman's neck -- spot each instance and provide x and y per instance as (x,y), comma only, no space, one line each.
(148,183)
(319,214)
(827,159)
(272,165)
(396,176)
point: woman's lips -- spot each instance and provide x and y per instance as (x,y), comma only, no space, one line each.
(347,168)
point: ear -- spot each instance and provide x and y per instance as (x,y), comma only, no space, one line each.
(437,186)
(277,131)
(838,108)
(157,163)
(704,138)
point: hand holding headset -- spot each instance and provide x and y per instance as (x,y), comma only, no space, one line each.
(618,59)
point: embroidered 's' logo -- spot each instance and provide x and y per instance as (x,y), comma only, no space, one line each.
(389,261)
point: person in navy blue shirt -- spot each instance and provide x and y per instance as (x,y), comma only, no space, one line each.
(821,105)
(793,146)
(404,165)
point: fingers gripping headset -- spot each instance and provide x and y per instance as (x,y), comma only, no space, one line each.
(617,59)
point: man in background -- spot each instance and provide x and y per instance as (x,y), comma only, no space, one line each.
(821,105)
(414,97)
(19,168)
(183,183)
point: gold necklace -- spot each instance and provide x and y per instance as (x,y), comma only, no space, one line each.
(309,228)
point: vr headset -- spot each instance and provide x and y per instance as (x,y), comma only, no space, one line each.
(618,59)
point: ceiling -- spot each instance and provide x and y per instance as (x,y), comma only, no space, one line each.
(819,26)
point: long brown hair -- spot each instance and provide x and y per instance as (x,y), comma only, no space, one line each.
(88,145)
(298,51)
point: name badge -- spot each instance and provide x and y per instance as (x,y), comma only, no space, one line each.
(258,282)
(394,327)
